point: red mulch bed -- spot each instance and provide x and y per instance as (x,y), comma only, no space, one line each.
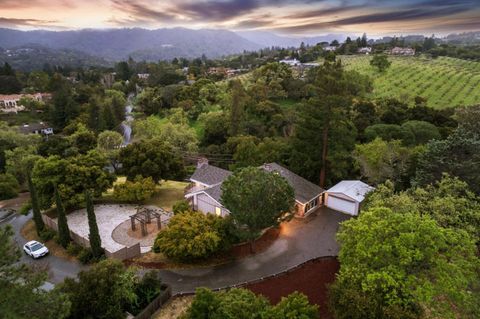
(261,244)
(310,279)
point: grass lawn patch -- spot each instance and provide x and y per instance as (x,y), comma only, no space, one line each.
(167,193)
(29,232)
(174,308)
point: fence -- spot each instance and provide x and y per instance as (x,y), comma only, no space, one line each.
(122,254)
(157,303)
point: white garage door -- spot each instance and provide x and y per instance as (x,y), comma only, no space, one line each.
(342,205)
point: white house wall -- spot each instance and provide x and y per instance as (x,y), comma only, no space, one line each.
(206,204)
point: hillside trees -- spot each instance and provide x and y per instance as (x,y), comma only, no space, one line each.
(257,199)
(404,266)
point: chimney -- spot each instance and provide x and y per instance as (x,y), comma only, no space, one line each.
(202,161)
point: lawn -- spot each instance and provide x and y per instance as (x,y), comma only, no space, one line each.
(174,308)
(444,82)
(166,193)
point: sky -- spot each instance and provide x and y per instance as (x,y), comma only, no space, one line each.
(289,17)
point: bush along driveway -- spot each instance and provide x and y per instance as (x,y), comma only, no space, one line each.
(299,241)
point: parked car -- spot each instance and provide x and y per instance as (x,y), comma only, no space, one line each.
(35,249)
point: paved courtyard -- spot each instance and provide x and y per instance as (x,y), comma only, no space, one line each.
(111,218)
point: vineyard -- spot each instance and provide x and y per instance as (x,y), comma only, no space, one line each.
(444,81)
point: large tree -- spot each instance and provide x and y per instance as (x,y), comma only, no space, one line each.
(37,215)
(73,176)
(93,234)
(151,158)
(257,199)
(20,293)
(404,266)
(63,229)
(458,155)
(103,291)
(324,135)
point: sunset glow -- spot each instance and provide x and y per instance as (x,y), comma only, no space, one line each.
(280,16)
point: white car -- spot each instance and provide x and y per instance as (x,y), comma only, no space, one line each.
(35,249)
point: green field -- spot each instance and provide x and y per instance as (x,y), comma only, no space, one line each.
(443,81)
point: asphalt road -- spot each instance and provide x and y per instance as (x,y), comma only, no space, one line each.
(58,269)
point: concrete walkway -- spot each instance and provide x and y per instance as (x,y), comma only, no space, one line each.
(299,241)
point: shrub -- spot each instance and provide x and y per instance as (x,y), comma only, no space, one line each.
(181,206)
(139,190)
(8,186)
(146,289)
(47,234)
(189,236)
(85,255)
(26,207)
(73,249)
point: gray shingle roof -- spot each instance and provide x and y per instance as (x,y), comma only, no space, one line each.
(304,190)
(215,192)
(210,175)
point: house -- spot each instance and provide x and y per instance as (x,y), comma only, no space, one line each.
(11,103)
(206,192)
(330,48)
(402,51)
(143,76)
(291,62)
(365,50)
(36,128)
(347,196)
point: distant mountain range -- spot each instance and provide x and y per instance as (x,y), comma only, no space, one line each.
(153,45)
(118,44)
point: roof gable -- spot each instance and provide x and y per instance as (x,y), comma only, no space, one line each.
(210,175)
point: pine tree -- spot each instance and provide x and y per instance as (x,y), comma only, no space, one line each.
(63,231)
(94,237)
(37,216)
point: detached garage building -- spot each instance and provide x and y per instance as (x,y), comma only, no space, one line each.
(347,196)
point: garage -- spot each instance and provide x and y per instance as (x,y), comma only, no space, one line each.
(340,204)
(346,197)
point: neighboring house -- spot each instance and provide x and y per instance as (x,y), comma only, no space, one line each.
(143,76)
(347,196)
(206,193)
(36,128)
(291,62)
(330,48)
(365,50)
(11,103)
(402,51)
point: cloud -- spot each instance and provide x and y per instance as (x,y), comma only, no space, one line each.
(139,12)
(411,15)
(218,10)
(16,23)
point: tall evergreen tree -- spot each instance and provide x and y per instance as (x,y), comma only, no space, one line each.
(63,230)
(37,216)
(93,236)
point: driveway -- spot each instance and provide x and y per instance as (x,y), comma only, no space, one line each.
(58,269)
(299,241)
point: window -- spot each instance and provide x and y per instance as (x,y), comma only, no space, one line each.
(312,204)
(218,211)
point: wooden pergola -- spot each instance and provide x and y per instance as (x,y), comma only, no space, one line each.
(144,216)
